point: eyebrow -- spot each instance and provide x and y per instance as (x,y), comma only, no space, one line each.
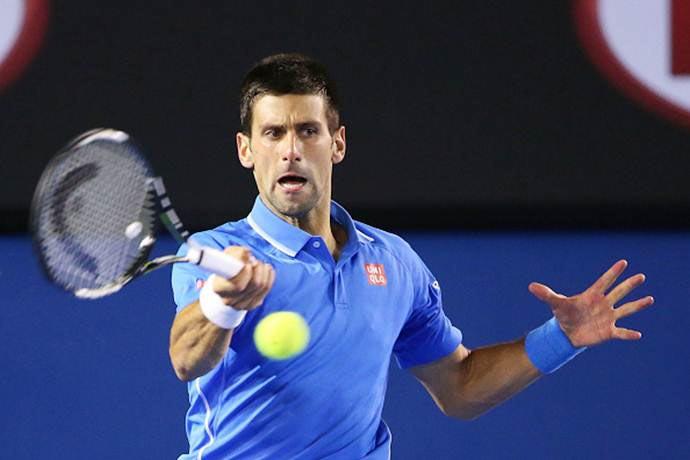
(266,126)
(308,124)
(299,125)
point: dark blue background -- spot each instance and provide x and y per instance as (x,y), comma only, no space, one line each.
(91,379)
(481,114)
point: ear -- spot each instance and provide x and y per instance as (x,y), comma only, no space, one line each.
(244,150)
(339,145)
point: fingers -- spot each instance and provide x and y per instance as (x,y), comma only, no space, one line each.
(249,288)
(628,309)
(633,307)
(624,288)
(543,292)
(240,253)
(258,287)
(607,279)
(540,291)
(622,333)
(238,283)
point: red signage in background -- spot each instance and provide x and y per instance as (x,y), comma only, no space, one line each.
(680,37)
(643,47)
(22,25)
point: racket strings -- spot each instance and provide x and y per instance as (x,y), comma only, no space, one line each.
(95,215)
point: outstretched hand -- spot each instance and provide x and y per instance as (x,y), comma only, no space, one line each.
(589,318)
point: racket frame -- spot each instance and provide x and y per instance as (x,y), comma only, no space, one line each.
(212,259)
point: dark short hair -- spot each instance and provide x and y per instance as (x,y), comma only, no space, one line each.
(289,73)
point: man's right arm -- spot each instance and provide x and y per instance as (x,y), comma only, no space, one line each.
(196,344)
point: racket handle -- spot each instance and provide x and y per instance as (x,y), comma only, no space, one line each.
(215,261)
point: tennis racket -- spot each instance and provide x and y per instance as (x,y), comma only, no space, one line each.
(95,213)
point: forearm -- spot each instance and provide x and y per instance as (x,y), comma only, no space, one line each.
(489,376)
(196,344)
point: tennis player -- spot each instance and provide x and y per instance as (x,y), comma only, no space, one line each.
(364,292)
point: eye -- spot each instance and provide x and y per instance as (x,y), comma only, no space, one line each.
(310,131)
(272,133)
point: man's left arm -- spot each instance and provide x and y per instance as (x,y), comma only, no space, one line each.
(467,383)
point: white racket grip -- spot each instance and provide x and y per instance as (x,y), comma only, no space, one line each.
(215,261)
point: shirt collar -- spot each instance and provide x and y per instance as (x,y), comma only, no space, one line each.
(290,239)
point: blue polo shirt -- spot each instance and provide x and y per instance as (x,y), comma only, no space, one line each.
(377,300)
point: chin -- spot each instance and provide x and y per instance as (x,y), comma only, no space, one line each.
(295,205)
(294,209)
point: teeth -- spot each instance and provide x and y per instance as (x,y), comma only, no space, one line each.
(292,185)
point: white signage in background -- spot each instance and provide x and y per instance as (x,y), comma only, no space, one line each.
(10,25)
(643,47)
(22,24)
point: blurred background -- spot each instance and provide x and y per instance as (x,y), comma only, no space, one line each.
(507,141)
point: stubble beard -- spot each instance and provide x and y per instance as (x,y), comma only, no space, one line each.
(293,209)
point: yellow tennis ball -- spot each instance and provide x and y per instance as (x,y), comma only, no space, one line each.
(281,335)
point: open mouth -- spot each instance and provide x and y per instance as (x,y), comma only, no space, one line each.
(291,182)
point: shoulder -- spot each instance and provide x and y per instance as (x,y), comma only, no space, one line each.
(227,234)
(394,244)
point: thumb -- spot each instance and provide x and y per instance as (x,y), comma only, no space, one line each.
(240,253)
(542,292)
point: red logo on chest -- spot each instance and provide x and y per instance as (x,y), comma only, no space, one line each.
(376,276)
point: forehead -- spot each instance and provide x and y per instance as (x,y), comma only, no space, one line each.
(288,108)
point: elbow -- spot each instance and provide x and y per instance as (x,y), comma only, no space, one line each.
(183,370)
(184,373)
(189,365)
(466,416)
(462,410)
(462,414)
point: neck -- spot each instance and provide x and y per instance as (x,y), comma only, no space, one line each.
(318,222)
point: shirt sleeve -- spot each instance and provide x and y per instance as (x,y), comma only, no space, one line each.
(428,334)
(187,279)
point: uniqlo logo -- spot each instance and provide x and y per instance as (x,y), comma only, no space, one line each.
(375,274)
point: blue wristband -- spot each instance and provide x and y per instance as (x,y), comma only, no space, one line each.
(549,348)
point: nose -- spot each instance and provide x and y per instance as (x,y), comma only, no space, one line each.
(292,150)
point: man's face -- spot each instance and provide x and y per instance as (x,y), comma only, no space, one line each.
(292,153)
